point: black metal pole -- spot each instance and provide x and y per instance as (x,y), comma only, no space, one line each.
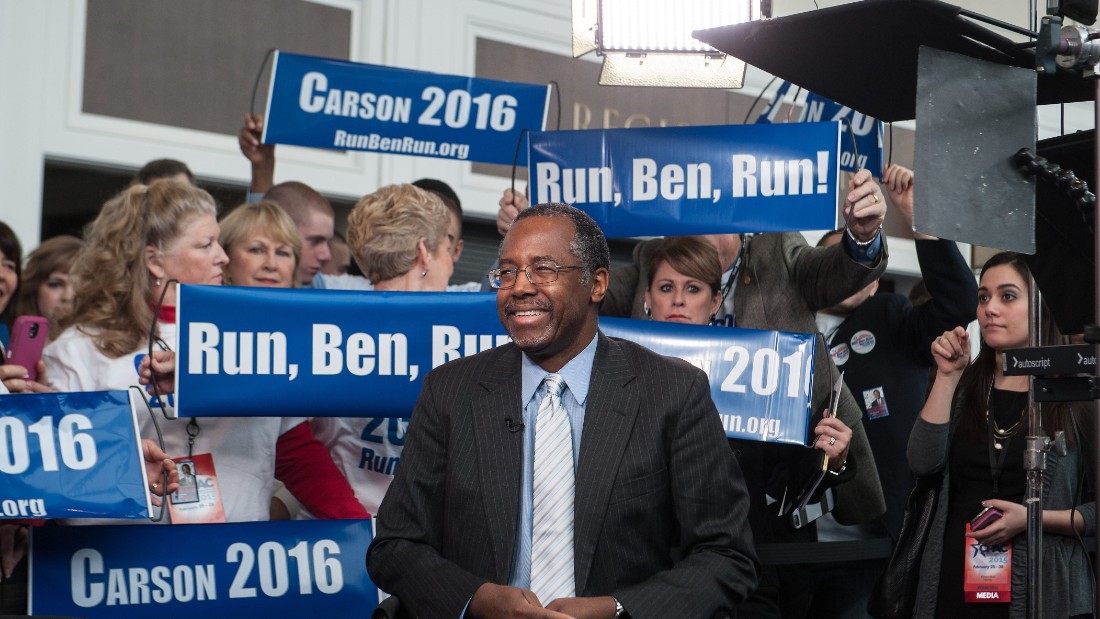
(1096,309)
(1034,465)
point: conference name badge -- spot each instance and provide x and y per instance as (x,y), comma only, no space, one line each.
(987,576)
(198,500)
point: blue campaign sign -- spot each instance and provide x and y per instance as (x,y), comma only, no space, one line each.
(71,455)
(760,381)
(336,104)
(692,180)
(867,130)
(771,112)
(325,353)
(297,568)
(312,353)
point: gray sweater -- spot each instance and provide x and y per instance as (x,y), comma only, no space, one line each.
(1067,588)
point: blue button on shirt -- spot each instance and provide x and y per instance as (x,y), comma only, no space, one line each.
(577,374)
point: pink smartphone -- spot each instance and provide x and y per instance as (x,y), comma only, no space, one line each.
(985,518)
(28,337)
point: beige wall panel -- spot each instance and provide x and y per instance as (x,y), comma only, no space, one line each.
(192,64)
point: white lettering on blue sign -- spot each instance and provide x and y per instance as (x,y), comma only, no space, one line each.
(449,343)
(675,182)
(497,113)
(575,185)
(319,567)
(23,508)
(360,354)
(794,177)
(278,571)
(137,585)
(764,372)
(316,97)
(738,424)
(237,353)
(77,449)
(404,145)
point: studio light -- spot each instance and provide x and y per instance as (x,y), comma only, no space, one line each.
(650,43)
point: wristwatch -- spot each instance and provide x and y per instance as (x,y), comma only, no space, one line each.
(620,612)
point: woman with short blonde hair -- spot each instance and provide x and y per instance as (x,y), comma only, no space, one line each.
(395,229)
(398,235)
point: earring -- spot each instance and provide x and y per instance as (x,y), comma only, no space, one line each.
(645,308)
(425,273)
(158,281)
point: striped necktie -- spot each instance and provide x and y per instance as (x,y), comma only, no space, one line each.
(552,498)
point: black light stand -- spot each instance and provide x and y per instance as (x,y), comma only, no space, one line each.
(1038,444)
(1078,48)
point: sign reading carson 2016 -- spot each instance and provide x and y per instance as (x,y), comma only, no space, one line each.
(327,103)
(692,180)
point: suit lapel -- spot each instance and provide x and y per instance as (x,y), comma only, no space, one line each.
(499,454)
(610,412)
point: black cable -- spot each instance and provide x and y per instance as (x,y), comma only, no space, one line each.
(890,154)
(757,100)
(852,135)
(515,163)
(557,95)
(160,442)
(794,99)
(855,155)
(256,84)
(152,339)
(156,388)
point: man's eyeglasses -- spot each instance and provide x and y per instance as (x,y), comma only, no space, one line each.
(537,274)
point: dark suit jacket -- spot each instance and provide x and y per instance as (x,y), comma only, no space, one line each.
(782,283)
(661,517)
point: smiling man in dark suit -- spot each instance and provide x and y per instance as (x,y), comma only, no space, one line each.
(646,514)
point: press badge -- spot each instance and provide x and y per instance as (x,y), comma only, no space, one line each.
(198,500)
(987,575)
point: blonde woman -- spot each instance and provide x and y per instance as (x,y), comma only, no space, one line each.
(398,235)
(263,246)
